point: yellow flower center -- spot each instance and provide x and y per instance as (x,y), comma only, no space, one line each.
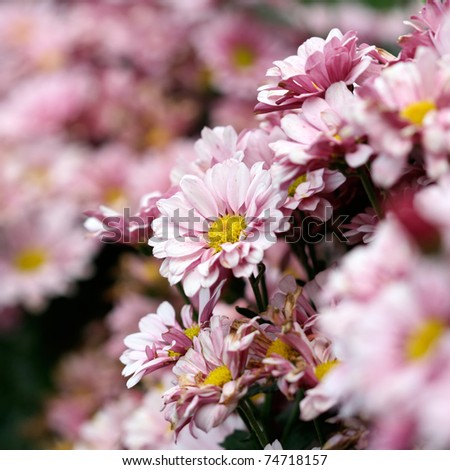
(174,354)
(226,229)
(322,369)
(218,376)
(192,332)
(243,56)
(30,260)
(295,184)
(113,196)
(282,349)
(415,113)
(157,136)
(424,339)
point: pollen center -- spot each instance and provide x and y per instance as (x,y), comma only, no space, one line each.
(30,260)
(282,349)
(295,184)
(322,369)
(192,331)
(243,56)
(114,196)
(226,229)
(423,340)
(218,376)
(415,113)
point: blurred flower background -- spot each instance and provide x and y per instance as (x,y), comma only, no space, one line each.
(102,101)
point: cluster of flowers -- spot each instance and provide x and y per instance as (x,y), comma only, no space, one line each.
(278,305)
(95,96)
(359,339)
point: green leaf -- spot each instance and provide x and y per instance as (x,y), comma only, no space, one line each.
(240,440)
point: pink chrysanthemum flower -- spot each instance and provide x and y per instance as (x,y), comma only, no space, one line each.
(225,220)
(162,340)
(361,228)
(237,49)
(119,181)
(427,27)
(318,64)
(396,106)
(298,356)
(436,143)
(41,263)
(318,134)
(394,375)
(212,377)
(308,191)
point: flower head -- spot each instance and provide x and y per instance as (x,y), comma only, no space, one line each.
(212,377)
(225,220)
(318,64)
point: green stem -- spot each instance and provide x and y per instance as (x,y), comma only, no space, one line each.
(255,287)
(246,413)
(265,295)
(313,256)
(370,191)
(267,409)
(293,416)
(318,432)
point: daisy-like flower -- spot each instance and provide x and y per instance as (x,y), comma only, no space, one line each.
(162,340)
(319,133)
(224,220)
(361,228)
(307,190)
(318,64)
(298,356)
(237,49)
(212,377)
(397,374)
(396,106)
(41,263)
(427,26)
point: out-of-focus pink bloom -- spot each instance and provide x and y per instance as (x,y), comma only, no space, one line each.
(212,377)
(427,26)
(391,376)
(127,189)
(236,112)
(45,261)
(318,64)
(225,220)
(85,381)
(124,317)
(146,428)
(105,430)
(361,228)
(237,49)
(432,205)
(396,105)
(45,104)
(436,143)
(364,271)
